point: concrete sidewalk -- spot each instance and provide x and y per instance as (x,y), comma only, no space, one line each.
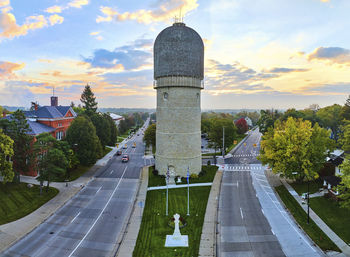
(11,232)
(180,186)
(320,223)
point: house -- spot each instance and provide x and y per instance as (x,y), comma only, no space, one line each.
(53,119)
(117,118)
(331,181)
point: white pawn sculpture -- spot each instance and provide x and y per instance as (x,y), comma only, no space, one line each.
(176,239)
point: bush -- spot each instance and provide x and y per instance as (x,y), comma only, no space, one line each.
(208,162)
(193,175)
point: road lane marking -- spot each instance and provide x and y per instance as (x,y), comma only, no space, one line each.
(272,232)
(241,212)
(75,217)
(110,198)
(111,171)
(98,190)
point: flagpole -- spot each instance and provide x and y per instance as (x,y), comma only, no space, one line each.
(167,182)
(188,191)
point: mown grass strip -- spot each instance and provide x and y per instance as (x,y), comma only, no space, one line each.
(313,231)
(154,226)
(17,200)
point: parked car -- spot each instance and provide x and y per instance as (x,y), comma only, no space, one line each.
(119,152)
(125,158)
(134,145)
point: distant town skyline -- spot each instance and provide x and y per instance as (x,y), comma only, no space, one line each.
(258,54)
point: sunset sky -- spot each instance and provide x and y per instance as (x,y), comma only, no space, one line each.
(258,53)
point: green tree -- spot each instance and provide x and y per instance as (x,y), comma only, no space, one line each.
(216,132)
(345,111)
(6,153)
(112,128)
(17,128)
(344,187)
(345,138)
(205,125)
(267,119)
(150,137)
(81,135)
(329,118)
(89,100)
(295,146)
(102,128)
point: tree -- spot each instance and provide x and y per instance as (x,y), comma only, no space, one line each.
(344,187)
(89,100)
(295,146)
(345,111)
(241,125)
(102,128)
(150,137)
(345,138)
(267,119)
(6,153)
(113,130)
(292,113)
(330,118)
(216,129)
(81,135)
(17,128)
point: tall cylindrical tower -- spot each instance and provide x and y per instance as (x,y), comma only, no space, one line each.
(178,74)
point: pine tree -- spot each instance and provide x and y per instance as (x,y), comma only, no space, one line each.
(89,100)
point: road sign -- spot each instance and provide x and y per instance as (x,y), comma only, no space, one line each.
(117,145)
(254,145)
(245,144)
(235,142)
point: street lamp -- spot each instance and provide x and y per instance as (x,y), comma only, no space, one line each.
(308,198)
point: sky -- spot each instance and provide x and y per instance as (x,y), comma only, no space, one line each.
(258,53)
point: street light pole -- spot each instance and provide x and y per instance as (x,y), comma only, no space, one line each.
(223,141)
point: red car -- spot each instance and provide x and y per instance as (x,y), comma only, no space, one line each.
(125,158)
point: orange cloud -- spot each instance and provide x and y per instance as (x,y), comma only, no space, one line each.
(7,69)
(4,3)
(55,19)
(72,4)
(78,3)
(164,12)
(54,9)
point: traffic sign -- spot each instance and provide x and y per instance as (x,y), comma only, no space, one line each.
(235,142)
(254,145)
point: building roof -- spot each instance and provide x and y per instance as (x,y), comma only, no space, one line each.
(50,112)
(115,116)
(178,51)
(37,128)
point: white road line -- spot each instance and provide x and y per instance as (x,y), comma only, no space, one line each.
(262,211)
(111,171)
(241,212)
(98,190)
(272,232)
(110,198)
(75,217)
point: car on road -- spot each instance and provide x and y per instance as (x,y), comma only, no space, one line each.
(125,146)
(119,152)
(134,145)
(125,158)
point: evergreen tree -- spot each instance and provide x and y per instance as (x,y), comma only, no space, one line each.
(112,128)
(89,100)
(102,128)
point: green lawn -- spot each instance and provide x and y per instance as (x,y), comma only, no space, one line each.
(337,218)
(209,174)
(17,200)
(154,226)
(300,188)
(314,232)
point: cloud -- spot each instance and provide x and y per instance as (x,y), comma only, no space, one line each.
(340,88)
(54,9)
(96,34)
(7,69)
(4,3)
(285,70)
(332,54)
(325,1)
(71,4)
(128,57)
(164,10)
(55,19)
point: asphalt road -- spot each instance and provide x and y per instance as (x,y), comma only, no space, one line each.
(89,224)
(243,228)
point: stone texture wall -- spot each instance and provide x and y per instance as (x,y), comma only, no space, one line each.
(178,127)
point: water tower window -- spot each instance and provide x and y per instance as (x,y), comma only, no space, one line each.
(165,96)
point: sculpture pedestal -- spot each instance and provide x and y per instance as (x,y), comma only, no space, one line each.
(176,241)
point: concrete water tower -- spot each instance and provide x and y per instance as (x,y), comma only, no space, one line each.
(178,75)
